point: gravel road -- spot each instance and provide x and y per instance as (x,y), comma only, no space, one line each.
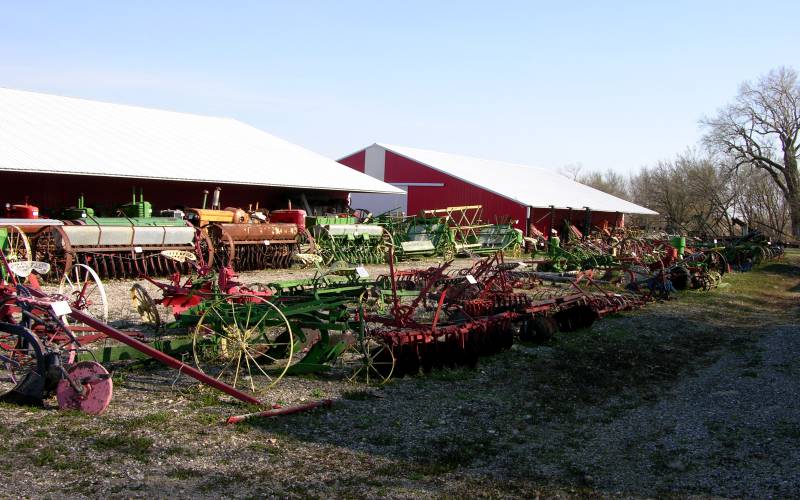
(693,397)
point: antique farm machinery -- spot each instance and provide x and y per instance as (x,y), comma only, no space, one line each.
(297,326)
(44,343)
(343,238)
(252,239)
(426,237)
(472,236)
(124,246)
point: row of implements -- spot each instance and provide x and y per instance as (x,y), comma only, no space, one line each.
(659,261)
(244,338)
(133,242)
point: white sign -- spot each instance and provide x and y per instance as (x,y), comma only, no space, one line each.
(61,308)
(137,249)
(471,279)
(266,242)
(362,273)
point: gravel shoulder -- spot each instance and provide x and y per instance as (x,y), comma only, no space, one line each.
(694,397)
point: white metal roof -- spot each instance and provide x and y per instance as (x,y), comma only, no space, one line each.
(47,133)
(527,185)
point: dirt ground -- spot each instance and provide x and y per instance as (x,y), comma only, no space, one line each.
(698,396)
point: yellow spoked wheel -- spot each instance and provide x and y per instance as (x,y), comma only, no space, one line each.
(145,306)
(16,246)
(245,341)
(368,360)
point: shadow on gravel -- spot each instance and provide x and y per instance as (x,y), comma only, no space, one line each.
(470,421)
(781,268)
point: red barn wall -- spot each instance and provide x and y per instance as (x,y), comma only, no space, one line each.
(51,192)
(455,192)
(356,161)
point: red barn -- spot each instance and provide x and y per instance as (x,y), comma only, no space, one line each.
(527,195)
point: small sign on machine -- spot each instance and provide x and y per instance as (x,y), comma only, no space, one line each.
(61,308)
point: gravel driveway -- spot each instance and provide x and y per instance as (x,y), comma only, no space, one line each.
(696,396)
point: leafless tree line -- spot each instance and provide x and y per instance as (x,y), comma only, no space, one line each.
(745,177)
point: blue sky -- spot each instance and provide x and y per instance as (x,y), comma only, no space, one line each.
(605,84)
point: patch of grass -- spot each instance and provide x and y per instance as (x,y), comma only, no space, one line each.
(204,398)
(149,420)
(448,452)
(45,456)
(118,377)
(317,393)
(384,439)
(222,481)
(357,395)
(137,447)
(207,418)
(183,473)
(788,430)
(452,374)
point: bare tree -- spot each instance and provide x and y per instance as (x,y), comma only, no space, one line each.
(760,129)
(761,204)
(571,171)
(693,193)
(609,182)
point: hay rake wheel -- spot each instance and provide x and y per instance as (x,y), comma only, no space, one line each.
(86,291)
(17,248)
(145,306)
(241,340)
(369,360)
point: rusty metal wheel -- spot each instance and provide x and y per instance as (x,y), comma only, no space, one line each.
(52,245)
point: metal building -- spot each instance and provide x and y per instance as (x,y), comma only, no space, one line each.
(54,148)
(533,197)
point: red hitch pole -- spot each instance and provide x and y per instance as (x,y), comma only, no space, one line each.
(235,419)
(157,355)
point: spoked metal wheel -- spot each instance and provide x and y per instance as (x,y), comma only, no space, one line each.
(52,245)
(223,245)
(16,246)
(145,306)
(368,360)
(244,341)
(21,358)
(85,291)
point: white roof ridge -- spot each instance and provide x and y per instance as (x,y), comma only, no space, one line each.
(71,135)
(465,169)
(121,104)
